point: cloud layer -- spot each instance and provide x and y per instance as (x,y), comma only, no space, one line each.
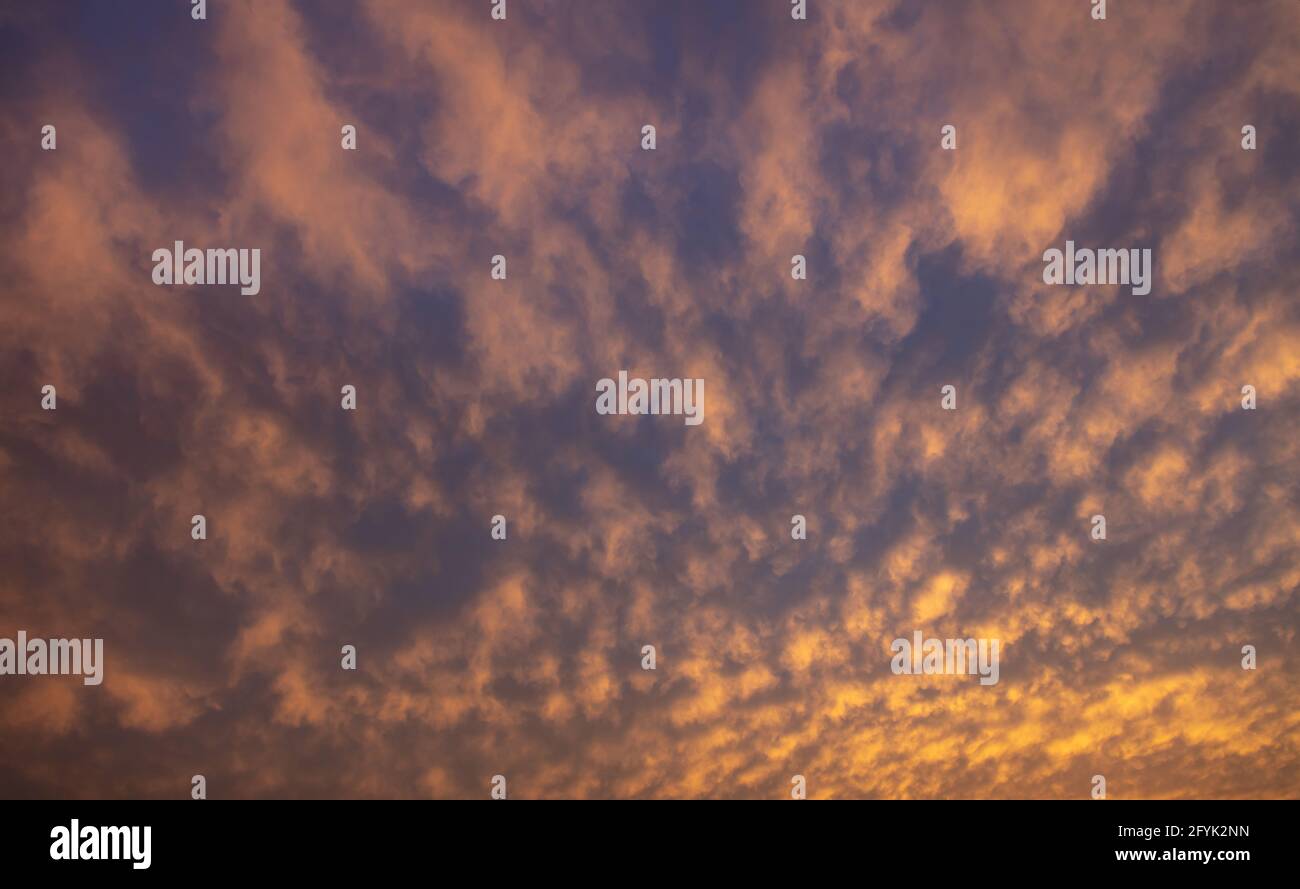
(775,137)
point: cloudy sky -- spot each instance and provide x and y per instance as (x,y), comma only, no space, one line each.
(476,397)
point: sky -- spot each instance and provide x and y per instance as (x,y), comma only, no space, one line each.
(476,397)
